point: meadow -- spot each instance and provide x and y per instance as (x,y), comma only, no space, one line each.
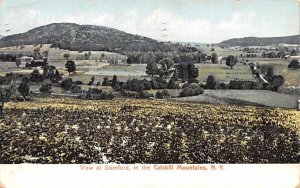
(245,97)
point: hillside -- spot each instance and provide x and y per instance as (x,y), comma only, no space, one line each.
(85,38)
(1,36)
(263,41)
(245,97)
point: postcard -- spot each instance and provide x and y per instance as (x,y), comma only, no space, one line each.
(149,93)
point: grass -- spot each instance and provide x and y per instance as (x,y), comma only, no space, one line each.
(57,54)
(245,97)
(223,73)
(221,52)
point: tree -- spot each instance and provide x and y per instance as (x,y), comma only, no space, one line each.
(270,74)
(277,81)
(46,53)
(87,55)
(102,56)
(70,66)
(191,90)
(114,81)
(23,89)
(211,82)
(152,69)
(18,62)
(294,64)
(35,76)
(193,72)
(175,74)
(214,58)
(172,84)
(294,53)
(105,82)
(231,61)
(67,84)
(182,71)
(66,55)
(92,81)
(165,67)
(46,88)
(5,94)
(162,94)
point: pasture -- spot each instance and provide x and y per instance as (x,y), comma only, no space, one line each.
(245,97)
(58,54)
(223,73)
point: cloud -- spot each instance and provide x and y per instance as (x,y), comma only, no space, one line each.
(92,18)
(19,20)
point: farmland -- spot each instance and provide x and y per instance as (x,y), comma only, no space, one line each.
(48,130)
(245,97)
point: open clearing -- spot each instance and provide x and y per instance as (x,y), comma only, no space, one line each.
(57,54)
(245,97)
(223,73)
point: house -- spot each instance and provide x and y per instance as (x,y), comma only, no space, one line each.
(26,59)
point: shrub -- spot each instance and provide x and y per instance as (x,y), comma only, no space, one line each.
(76,89)
(145,95)
(294,64)
(162,94)
(192,90)
(211,82)
(67,84)
(46,88)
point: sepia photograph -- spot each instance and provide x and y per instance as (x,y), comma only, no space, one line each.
(152,86)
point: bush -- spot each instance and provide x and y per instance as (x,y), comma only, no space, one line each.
(76,89)
(241,84)
(211,82)
(162,94)
(78,82)
(221,85)
(46,88)
(145,95)
(173,85)
(294,64)
(106,96)
(97,94)
(67,84)
(23,89)
(192,90)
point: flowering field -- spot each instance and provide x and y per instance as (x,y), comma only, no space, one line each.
(65,130)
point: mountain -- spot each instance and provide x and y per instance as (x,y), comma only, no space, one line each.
(1,36)
(86,38)
(263,41)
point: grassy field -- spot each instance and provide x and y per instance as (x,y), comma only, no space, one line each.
(245,97)
(221,52)
(223,73)
(65,130)
(57,54)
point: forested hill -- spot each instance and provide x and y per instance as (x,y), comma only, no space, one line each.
(86,38)
(263,41)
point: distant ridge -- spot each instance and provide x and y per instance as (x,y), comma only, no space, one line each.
(260,41)
(85,38)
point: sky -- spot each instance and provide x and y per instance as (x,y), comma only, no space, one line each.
(204,21)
